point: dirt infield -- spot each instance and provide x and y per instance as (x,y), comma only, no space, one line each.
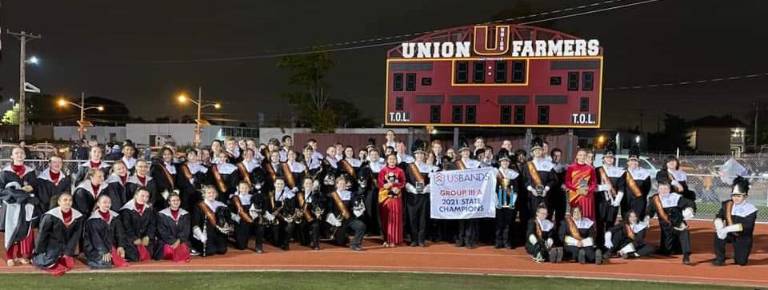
(445,258)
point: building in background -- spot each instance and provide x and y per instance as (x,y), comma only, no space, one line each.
(712,135)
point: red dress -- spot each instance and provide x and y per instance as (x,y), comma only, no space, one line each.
(581,174)
(391,209)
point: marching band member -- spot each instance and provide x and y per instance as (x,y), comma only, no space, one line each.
(232,150)
(479,143)
(372,167)
(417,197)
(210,224)
(192,175)
(610,194)
(391,182)
(465,161)
(345,215)
(389,140)
(141,178)
(627,239)
(60,230)
(216,150)
(117,184)
(51,183)
(283,205)
(249,168)
(241,204)
(578,234)
(102,234)
(295,169)
(173,232)
(164,174)
(139,221)
(224,177)
(541,243)
(402,156)
(314,207)
(129,156)
(735,224)
(467,228)
(330,170)
(581,184)
(310,163)
(94,162)
(556,198)
(349,156)
(637,185)
(88,191)
(540,177)
(19,204)
(672,210)
(678,180)
(506,198)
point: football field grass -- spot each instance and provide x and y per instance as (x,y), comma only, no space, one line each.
(313,280)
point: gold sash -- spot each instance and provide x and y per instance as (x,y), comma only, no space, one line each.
(574,230)
(219,181)
(244,173)
(340,204)
(240,210)
(660,209)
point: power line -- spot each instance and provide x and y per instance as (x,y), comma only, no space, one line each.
(362,44)
(688,83)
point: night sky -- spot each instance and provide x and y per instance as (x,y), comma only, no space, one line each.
(112,50)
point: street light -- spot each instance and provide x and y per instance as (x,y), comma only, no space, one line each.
(64,102)
(33,60)
(183,99)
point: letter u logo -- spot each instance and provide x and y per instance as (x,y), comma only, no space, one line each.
(495,44)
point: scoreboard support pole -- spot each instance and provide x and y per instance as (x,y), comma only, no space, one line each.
(456,137)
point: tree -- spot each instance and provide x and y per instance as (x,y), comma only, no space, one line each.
(11,117)
(310,89)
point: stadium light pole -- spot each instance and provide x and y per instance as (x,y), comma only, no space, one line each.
(62,102)
(200,106)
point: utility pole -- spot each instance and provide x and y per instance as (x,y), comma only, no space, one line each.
(23,38)
(756,135)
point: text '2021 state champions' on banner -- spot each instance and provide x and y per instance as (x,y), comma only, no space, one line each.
(463,194)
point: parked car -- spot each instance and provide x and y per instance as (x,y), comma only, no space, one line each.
(621,161)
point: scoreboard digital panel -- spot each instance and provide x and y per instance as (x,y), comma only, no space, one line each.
(501,75)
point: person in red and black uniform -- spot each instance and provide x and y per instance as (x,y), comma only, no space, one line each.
(141,179)
(102,236)
(735,224)
(391,182)
(51,183)
(672,210)
(164,174)
(19,201)
(89,190)
(57,238)
(580,182)
(94,162)
(139,223)
(117,185)
(173,231)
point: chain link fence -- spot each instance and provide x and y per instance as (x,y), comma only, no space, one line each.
(710,189)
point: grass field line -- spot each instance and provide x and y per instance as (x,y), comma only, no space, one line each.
(501,272)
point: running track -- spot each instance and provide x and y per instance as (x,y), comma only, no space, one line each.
(445,258)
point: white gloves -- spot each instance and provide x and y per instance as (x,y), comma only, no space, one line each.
(608,240)
(532,239)
(199,235)
(235,217)
(617,200)
(332,220)
(549,243)
(604,187)
(268,215)
(410,188)
(687,213)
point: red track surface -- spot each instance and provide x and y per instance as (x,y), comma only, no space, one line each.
(445,258)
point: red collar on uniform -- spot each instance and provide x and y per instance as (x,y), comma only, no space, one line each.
(175,214)
(105,215)
(95,165)
(19,169)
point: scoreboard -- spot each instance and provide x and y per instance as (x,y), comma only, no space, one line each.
(501,75)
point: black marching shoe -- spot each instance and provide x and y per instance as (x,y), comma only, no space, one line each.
(414,244)
(599,257)
(582,257)
(356,248)
(686,259)
(717,262)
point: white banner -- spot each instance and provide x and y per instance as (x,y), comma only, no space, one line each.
(463,194)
